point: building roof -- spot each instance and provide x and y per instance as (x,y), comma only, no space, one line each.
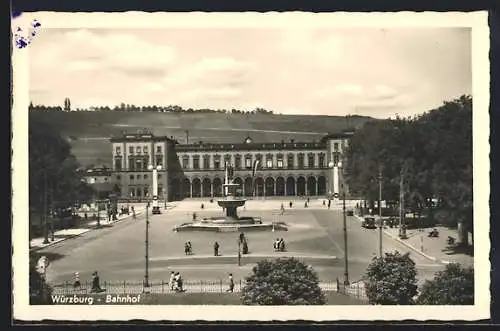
(206,147)
(141,136)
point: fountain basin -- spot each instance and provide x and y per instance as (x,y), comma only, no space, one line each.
(230,227)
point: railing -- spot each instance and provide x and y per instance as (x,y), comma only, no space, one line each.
(355,289)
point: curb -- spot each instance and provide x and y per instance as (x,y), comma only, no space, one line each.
(432,258)
(35,249)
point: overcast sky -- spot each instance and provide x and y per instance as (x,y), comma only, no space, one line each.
(372,72)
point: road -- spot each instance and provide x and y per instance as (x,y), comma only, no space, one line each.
(315,236)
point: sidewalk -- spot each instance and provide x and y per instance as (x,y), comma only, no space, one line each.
(434,249)
(61,235)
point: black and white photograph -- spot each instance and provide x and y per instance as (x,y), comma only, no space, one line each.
(246,166)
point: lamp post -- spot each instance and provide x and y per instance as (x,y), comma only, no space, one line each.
(146,242)
(380,225)
(45,225)
(402,229)
(156,208)
(334,167)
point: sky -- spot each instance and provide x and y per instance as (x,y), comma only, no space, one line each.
(324,71)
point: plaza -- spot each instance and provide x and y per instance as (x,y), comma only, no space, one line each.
(315,235)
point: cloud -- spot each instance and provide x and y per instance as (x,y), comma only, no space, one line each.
(297,70)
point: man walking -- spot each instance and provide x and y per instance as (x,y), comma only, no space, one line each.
(282,209)
(231,284)
(216,249)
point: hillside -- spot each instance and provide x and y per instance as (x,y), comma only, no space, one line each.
(89,132)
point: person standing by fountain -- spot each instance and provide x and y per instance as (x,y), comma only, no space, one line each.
(216,249)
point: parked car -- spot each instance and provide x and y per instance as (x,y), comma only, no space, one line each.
(369,223)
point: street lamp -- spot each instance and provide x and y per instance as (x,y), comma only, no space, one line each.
(380,225)
(332,166)
(156,208)
(146,242)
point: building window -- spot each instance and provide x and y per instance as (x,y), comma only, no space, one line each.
(118,150)
(131,149)
(145,149)
(237,161)
(321,160)
(206,161)
(105,179)
(158,149)
(118,177)
(185,162)
(310,160)
(145,176)
(131,192)
(145,191)
(159,160)
(217,162)
(118,164)
(336,147)
(301,160)
(269,161)
(131,177)
(159,176)
(280,163)
(248,161)
(196,162)
(290,161)
(138,150)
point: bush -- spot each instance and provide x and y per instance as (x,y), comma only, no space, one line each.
(391,280)
(285,281)
(452,286)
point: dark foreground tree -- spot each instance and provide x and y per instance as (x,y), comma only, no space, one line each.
(40,291)
(285,281)
(452,286)
(391,280)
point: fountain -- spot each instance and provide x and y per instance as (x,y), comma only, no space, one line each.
(231,222)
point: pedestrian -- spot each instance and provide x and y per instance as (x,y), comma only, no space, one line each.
(186,248)
(96,286)
(308,200)
(276,244)
(282,209)
(171,281)
(290,204)
(202,206)
(231,284)
(329,203)
(194,217)
(190,248)
(282,245)
(177,276)
(324,204)
(76,283)
(216,249)
(305,204)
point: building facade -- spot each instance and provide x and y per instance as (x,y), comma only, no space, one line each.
(197,170)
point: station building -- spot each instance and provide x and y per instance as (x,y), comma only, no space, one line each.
(290,168)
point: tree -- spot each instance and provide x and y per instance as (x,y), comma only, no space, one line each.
(391,280)
(53,171)
(452,286)
(285,281)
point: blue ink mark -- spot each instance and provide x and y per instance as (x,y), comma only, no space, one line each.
(16,14)
(23,41)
